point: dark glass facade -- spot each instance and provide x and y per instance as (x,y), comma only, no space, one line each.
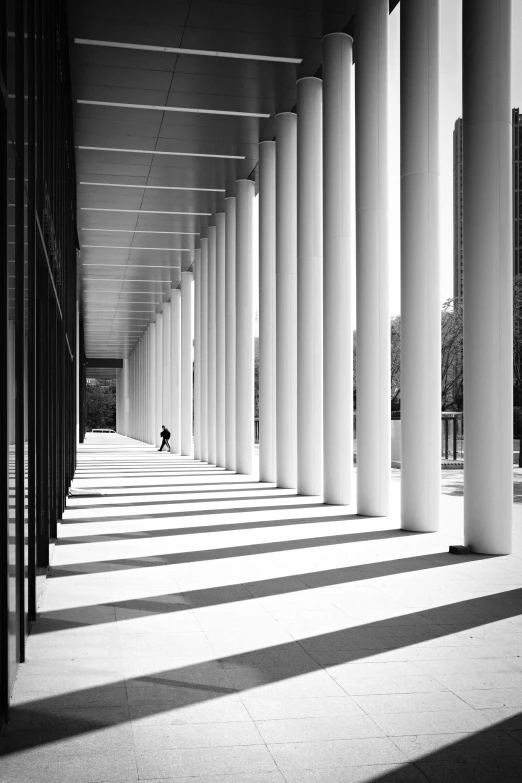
(38,315)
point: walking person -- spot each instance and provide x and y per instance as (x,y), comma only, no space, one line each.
(165,434)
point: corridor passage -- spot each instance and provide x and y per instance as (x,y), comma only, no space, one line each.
(201,627)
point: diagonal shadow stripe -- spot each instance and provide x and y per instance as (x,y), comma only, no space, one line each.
(264,523)
(202,555)
(275,663)
(233,593)
(202,512)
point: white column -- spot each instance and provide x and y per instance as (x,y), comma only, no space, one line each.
(337,316)
(204,350)
(175,368)
(245,190)
(220,340)
(77,373)
(152,384)
(373,317)
(138,389)
(211,346)
(309,287)
(145,387)
(488,276)
(286,299)
(267,312)
(125,395)
(186,364)
(166,404)
(420,266)
(230,332)
(197,354)
(159,378)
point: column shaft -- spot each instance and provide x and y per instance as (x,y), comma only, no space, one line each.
(488,276)
(337,318)
(152,384)
(167,413)
(125,392)
(373,318)
(197,354)
(286,299)
(220,340)
(204,350)
(211,346)
(309,288)
(267,312)
(245,190)
(420,266)
(175,368)
(186,364)
(230,332)
(159,378)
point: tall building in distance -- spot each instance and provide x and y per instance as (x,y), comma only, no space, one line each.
(458,235)
(458,226)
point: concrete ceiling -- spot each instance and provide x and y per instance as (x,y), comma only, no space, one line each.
(133,244)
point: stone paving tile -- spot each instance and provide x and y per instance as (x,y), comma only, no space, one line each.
(197,629)
(205,761)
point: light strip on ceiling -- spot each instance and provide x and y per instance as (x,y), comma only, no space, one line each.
(136,266)
(197,52)
(120,280)
(162,152)
(144,231)
(150,187)
(182,109)
(127,247)
(142,211)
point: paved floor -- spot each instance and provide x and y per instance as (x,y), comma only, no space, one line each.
(201,627)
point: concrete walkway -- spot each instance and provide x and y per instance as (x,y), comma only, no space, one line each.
(200,627)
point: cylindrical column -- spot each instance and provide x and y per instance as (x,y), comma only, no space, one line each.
(186,364)
(159,378)
(230,332)
(245,190)
(125,395)
(420,266)
(488,276)
(197,354)
(167,413)
(373,317)
(211,345)
(286,299)
(204,350)
(175,369)
(152,384)
(267,311)
(220,340)
(309,287)
(337,318)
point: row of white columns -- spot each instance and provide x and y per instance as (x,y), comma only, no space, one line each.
(154,387)
(305,286)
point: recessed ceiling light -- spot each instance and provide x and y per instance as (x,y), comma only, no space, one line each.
(127,247)
(143,231)
(142,211)
(162,152)
(182,109)
(150,187)
(196,52)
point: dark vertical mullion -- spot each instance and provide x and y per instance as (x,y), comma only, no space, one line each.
(31,334)
(4,375)
(19,326)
